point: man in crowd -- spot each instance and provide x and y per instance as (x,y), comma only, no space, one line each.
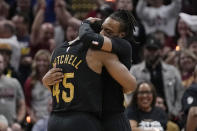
(166,78)
(11,97)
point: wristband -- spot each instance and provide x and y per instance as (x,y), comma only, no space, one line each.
(98,41)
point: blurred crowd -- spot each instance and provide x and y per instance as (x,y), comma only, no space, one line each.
(164,59)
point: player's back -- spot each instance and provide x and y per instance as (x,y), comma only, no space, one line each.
(79,96)
(81,87)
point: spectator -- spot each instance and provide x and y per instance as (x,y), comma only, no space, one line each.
(158,16)
(24,68)
(23,7)
(11,97)
(165,78)
(7,35)
(42,124)
(142,113)
(186,64)
(190,99)
(64,16)
(69,23)
(160,103)
(190,20)
(42,35)
(36,94)
(22,30)
(125,4)
(71,33)
(6,51)
(167,42)
(192,44)
(171,126)
(183,33)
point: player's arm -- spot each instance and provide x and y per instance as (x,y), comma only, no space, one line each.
(117,70)
(53,76)
(88,36)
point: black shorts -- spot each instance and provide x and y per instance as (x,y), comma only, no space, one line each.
(73,121)
(116,122)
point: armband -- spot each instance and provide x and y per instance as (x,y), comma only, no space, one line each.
(98,41)
(88,37)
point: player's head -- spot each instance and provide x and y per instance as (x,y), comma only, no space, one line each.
(119,24)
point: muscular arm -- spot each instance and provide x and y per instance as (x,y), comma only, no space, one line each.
(52,77)
(111,62)
(117,70)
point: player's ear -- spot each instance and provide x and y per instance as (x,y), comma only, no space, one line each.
(122,34)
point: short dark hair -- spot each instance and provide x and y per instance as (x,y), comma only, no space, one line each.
(127,23)
(134,98)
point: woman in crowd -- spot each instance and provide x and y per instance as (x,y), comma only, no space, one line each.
(187,61)
(37,96)
(142,112)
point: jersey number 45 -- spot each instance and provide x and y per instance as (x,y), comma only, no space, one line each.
(68,85)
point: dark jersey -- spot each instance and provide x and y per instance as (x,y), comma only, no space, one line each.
(80,89)
(156,118)
(113,94)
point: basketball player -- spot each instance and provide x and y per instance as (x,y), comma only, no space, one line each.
(116,115)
